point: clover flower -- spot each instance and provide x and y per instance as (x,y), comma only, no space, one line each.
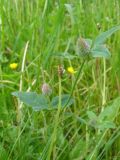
(46,90)
(13,65)
(82,47)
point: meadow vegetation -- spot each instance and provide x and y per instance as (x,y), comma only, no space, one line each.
(59,80)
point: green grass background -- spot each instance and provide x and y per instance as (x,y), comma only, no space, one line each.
(51,27)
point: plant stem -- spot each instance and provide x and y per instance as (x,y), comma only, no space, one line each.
(104,85)
(21,83)
(56,122)
(76,80)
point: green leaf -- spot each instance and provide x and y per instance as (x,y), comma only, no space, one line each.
(69,8)
(70,11)
(89,41)
(36,101)
(110,112)
(106,125)
(100,39)
(39,102)
(100,51)
(91,115)
(64,100)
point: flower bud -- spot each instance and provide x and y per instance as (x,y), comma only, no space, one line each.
(98,26)
(46,90)
(82,47)
(61,71)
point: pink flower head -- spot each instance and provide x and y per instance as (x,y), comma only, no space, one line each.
(46,90)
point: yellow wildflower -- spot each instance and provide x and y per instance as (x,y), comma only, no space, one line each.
(71,70)
(13,65)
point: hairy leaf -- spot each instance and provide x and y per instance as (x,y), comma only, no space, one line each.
(36,101)
(100,51)
(64,100)
(100,39)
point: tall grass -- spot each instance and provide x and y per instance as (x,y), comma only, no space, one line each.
(42,30)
